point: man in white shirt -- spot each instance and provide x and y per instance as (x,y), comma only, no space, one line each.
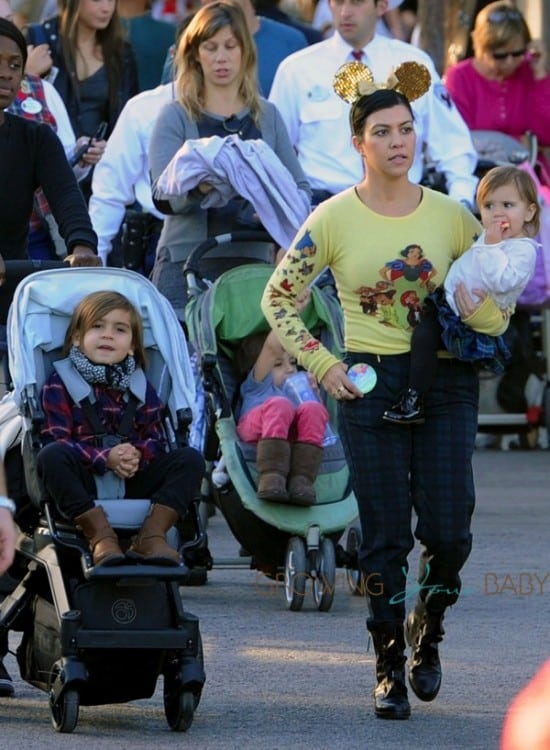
(122,177)
(318,120)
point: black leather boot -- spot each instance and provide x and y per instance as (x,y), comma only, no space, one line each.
(424,632)
(408,410)
(390,693)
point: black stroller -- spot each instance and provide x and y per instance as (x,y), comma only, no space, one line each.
(93,636)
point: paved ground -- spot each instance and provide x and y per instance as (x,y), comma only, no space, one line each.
(278,679)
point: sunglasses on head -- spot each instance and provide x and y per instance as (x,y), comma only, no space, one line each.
(506,55)
(504,14)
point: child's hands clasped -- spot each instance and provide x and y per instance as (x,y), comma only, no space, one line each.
(124,460)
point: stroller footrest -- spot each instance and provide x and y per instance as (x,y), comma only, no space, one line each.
(151,640)
(132,571)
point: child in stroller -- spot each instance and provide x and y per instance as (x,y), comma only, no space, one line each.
(284,541)
(99,634)
(104,344)
(288,438)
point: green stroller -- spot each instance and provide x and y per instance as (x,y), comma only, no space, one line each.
(287,543)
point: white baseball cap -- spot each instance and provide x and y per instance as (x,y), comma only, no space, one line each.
(394,4)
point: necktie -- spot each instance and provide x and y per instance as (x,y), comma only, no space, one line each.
(357,54)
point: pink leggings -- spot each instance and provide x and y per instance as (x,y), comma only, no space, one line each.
(277,417)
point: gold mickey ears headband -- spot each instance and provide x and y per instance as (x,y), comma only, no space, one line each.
(354,80)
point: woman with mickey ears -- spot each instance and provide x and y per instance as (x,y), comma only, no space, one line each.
(393,469)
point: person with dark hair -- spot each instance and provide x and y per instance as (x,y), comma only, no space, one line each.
(32,156)
(93,67)
(393,469)
(288,436)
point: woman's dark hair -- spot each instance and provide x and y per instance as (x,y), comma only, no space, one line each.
(367,105)
(10,30)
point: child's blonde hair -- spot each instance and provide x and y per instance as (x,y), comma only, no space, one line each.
(96,306)
(500,176)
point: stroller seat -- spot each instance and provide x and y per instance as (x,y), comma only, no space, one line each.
(95,635)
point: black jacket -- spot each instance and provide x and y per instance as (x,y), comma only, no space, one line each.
(32,156)
(48,33)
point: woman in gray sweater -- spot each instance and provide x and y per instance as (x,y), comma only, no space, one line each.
(216,95)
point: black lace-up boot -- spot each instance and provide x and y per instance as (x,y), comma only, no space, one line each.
(424,633)
(390,693)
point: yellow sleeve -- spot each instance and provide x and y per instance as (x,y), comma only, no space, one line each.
(300,266)
(489,318)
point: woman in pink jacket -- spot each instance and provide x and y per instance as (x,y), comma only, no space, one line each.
(505,87)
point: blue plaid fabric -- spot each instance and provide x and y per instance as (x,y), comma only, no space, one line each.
(426,467)
(489,352)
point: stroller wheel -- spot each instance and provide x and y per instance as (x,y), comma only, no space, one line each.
(64,712)
(324,581)
(353,575)
(179,706)
(295,573)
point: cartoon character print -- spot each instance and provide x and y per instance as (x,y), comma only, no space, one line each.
(413,267)
(397,300)
(305,247)
(411,301)
(378,300)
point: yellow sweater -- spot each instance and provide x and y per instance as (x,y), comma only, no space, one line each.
(383,268)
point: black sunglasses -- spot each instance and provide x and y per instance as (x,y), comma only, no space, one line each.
(504,14)
(505,55)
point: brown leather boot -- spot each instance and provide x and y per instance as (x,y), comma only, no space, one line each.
(150,545)
(304,466)
(273,461)
(100,536)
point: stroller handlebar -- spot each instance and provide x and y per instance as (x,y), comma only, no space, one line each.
(191,270)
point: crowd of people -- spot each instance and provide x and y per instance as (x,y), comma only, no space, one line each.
(104,105)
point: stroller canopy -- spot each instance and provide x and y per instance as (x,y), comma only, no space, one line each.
(41,310)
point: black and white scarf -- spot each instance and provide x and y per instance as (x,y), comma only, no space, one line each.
(115,376)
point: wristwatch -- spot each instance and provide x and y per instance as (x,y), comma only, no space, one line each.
(5,502)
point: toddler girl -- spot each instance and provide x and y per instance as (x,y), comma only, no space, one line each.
(289,438)
(500,264)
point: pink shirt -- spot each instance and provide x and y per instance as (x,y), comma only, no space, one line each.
(514,106)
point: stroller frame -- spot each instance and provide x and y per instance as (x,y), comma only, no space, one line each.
(97,635)
(288,543)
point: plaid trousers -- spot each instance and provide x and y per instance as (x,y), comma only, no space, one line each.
(396,468)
